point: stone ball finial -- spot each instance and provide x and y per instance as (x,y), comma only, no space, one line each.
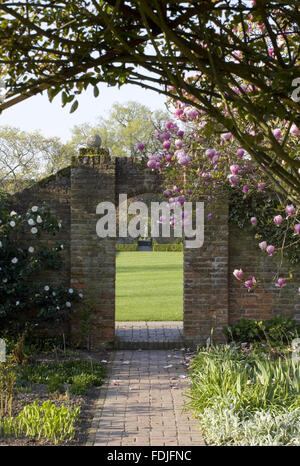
(93,141)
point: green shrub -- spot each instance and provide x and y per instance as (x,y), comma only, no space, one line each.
(168,247)
(127,247)
(276,331)
(57,373)
(42,421)
(55,384)
(239,398)
(81,382)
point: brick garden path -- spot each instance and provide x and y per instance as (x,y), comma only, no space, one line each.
(141,403)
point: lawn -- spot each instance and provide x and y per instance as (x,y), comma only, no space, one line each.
(149,286)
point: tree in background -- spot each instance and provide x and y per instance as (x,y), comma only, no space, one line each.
(28,156)
(126,125)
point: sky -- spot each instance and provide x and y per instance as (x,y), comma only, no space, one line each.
(37,113)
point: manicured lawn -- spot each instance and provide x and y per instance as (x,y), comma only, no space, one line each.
(149,286)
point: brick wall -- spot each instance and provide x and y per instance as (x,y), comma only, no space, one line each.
(212,296)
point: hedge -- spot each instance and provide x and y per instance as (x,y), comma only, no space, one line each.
(126,247)
(168,247)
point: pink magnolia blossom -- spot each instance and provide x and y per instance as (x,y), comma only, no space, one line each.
(290,209)
(210,153)
(253,220)
(180,133)
(168,157)
(233,179)
(240,153)
(261,186)
(185,161)
(238,273)
(234,169)
(226,136)
(270,250)
(263,245)
(278,220)
(277,133)
(210,216)
(140,146)
(166,145)
(167,192)
(151,163)
(249,284)
(245,189)
(297,228)
(294,130)
(178,143)
(281,282)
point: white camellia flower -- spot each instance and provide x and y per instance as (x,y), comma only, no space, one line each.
(34,230)
(59,225)
(13,213)
(12,223)
(34,208)
(4,280)
(53,293)
(31,222)
(46,288)
(15,260)
(68,304)
(58,308)
(80,295)
(71,290)
(17,303)
(61,246)
(31,249)
(0,244)
(39,219)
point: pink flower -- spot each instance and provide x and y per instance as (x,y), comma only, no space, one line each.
(166,145)
(263,245)
(168,157)
(234,169)
(140,146)
(226,136)
(240,153)
(151,163)
(294,130)
(169,125)
(167,192)
(178,143)
(233,179)
(184,161)
(238,273)
(248,284)
(245,189)
(270,250)
(277,132)
(281,282)
(278,220)
(290,209)
(261,186)
(165,136)
(297,228)
(253,220)
(180,133)
(210,153)
(210,216)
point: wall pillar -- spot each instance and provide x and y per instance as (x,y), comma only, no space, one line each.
(205,302)
(93,258)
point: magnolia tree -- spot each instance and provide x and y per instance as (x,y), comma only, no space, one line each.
(212,161)
(22,257)
(236,60)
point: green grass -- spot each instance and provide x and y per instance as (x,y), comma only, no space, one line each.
(149,286)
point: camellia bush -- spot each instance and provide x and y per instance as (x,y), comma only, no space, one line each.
(25,301)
